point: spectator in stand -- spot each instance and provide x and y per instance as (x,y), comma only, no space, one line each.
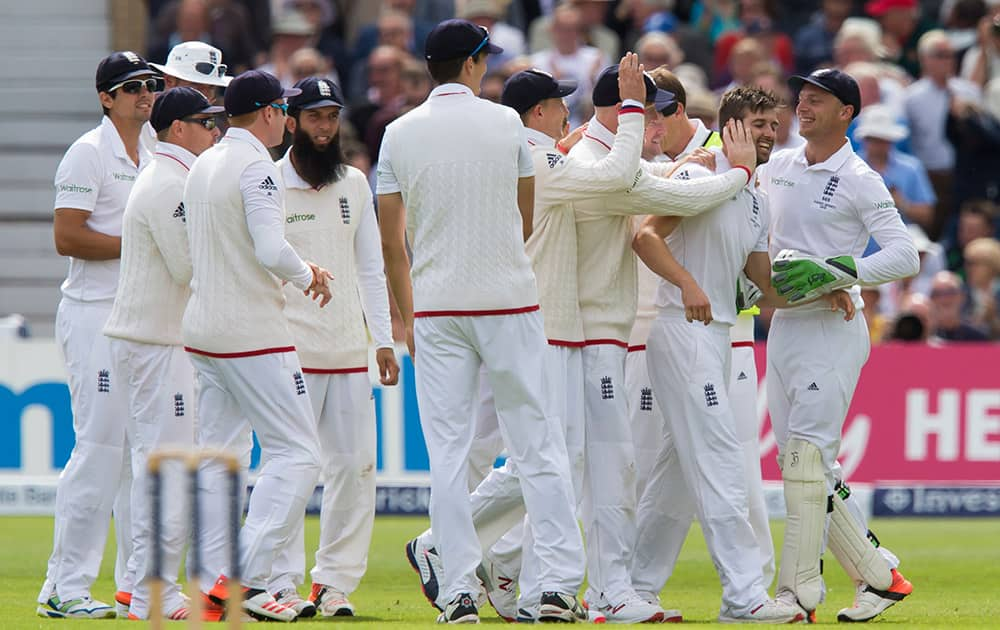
(492,86)
(877,322)
(309,62)
(975,134)
(323,15)
(395,29)
(895,295)
(870,81)
(904,175)
(489,14)
(715,18)
(913,324)
(814,41)
(372,35)
(415,84)
(190,23)
(947,305)
(961,22)
(976,219)
(982,277)
(767,75)
(927,103)
(595,32)
(570,58)
(223,23)
(657,49)
(756,22)
(744,57)
(902,28)
(385,69)
(981,63)
(290,32)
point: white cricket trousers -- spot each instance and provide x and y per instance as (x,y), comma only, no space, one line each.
(345,420)
(449,353)
(689,367)
(96,480)
(269,391)
(814,360)
(159,383)
(609,491)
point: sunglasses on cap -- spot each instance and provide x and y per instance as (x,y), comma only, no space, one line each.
(211,69)
(481,44)
(207,123)
(282,106)
(134,86)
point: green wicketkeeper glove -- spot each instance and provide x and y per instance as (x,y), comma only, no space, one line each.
(799,277)
(747,292)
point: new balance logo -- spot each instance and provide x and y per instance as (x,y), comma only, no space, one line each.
(813,387)
(742,376)
(553,159)
(646,399)
(268,184)
(179,213)
(178,405)
(104,382)
(711,398)
(607,388)
(300,384)
(345,209)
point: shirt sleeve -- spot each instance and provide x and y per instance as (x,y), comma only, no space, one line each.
(525,167)
(677,197)
(898,257)
(263,201)
(78,178)
(385,176)
(167,225)
(371,274)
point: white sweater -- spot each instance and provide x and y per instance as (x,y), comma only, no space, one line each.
(606,275)
(155,264)
(335,227)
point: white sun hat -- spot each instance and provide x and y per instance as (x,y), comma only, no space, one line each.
(879,121)
(196,62)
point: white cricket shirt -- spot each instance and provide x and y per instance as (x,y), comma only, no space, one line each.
(456,160)
(96,175)
(831,209)
(714,247)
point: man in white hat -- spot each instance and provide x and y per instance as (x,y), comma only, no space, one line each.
(197,65)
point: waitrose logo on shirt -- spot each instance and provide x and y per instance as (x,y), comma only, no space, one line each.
(295,218)
(75,188)
(123,177)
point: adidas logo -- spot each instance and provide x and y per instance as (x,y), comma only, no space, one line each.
(268,184)
(553,159)
(179,213)
(742,376)
(813,387)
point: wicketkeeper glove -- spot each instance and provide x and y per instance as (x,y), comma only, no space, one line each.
(747,292)
(799,277)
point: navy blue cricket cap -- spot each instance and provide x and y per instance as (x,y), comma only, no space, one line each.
(840,84)
(528,88)
(456,39)
(254,89)
(121,66)
(177,103)
(606,91)
(316,92)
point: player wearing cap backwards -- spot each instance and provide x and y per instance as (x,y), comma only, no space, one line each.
(606,279)
(688,362)
(456,174)
(497,503)
(663,518)
(235,333)
(330,219)
(92,185)
(825,204)
(145,328)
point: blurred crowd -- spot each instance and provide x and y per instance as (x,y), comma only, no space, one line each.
(929,72)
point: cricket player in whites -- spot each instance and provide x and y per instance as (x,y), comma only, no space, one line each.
(825,204)
(456,174)
(145,331)
(92,183)
(236,334)
(330,219)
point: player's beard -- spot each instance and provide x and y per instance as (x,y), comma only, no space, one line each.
(318,167)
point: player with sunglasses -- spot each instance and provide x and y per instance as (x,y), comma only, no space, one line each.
(197,65)
(92,183)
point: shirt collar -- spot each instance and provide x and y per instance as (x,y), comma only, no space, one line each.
(599,132)
(451,89)
(179,153)
(110,133)
(537,138)
(701,133)
(238,133)
(833,163)
(290,175)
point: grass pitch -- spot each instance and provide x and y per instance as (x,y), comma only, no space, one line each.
(954,565)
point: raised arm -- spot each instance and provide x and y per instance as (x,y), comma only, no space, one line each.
(650,245)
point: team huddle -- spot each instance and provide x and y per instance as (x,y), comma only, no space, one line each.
(623,394)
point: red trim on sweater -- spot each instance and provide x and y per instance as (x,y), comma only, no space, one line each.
(354,370)
(167,155)
(640,348)
(499,311)
(743,344)
(631,109)
(566,344)
(240,355)
(587,135)
(606,342)
(748,172)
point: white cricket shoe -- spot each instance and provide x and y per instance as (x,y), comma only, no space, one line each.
(79,608)
(262,605)
(290,597)
(768,611)
(462,609)
(427,564)
(330,602)
(870,602)
(670,615)
(500,587)
(560,608)
(633,609)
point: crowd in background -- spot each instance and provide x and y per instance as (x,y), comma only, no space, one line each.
(929,72)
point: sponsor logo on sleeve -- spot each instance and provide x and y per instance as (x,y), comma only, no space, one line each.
(75,188)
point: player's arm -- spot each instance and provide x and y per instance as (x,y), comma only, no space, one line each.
(168,229)
(652,249)
(265,219)
(374,298)
(392,227)
(526,204)
(78,183)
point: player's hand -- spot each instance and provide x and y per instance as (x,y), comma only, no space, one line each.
(571,138)
(320,287)
(701,157)
(799,277)
(697,308)
(388,367)
(739,145)
(840,300)
(631,83)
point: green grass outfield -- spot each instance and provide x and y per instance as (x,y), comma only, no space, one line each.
(954,565)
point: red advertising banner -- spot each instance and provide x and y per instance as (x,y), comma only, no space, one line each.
(920,414)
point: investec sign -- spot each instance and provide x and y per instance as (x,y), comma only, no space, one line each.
(937,501)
